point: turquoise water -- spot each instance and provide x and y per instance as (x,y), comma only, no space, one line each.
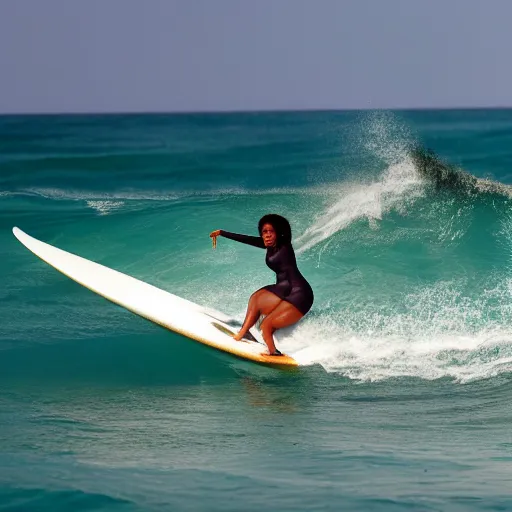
(404,398)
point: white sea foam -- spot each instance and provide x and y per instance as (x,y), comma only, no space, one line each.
(397,186)
(439,334)
(85,195)
(105,207)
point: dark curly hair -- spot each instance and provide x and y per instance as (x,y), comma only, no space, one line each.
(281,226)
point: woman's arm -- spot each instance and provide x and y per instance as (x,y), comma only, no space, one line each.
(255,241)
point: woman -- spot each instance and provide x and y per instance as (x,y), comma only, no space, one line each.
(285,302)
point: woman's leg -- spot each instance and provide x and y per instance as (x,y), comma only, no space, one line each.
(261,302)
(283,315)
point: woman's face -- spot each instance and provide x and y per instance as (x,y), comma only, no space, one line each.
(269,235)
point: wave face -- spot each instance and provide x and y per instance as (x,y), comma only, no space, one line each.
(402,224)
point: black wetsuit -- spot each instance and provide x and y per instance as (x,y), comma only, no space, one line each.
(291,285)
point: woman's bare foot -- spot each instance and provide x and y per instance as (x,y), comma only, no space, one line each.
(238,336)
(275,353)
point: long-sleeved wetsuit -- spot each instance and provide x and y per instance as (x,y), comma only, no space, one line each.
(291,285)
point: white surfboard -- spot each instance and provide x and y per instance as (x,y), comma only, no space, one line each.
(179,315)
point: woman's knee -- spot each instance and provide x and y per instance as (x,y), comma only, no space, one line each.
(254,299)
(255,295)
(283,316)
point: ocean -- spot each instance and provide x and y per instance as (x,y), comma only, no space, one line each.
(402,223)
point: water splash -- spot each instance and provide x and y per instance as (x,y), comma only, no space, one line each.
(399,184)
(442,333)
(388,140)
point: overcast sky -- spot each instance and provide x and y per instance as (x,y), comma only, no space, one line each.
(202,55)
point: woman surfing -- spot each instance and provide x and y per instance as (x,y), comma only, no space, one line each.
(286,302)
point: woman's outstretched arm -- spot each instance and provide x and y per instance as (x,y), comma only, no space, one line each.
(255,241)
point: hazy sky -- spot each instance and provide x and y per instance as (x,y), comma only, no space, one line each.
(181,55)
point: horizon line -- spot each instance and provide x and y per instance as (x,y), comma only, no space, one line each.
(247,111)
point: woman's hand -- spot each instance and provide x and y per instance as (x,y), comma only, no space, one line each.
(213,236)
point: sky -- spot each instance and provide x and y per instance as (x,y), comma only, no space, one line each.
(217,55)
